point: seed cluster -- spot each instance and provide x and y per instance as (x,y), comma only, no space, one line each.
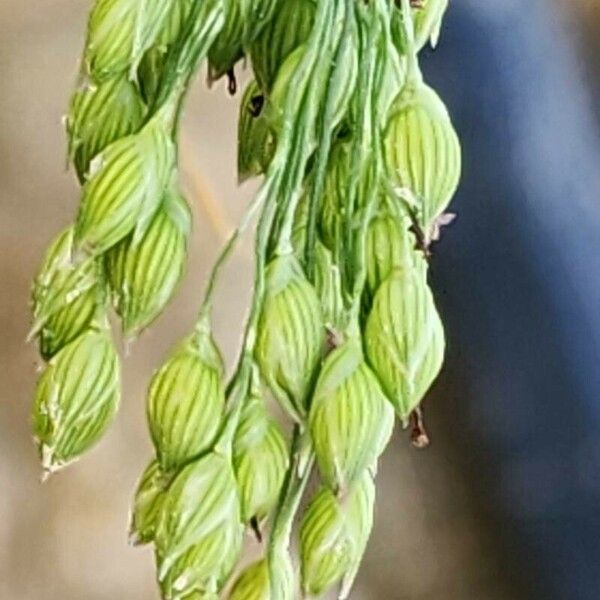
(359,161)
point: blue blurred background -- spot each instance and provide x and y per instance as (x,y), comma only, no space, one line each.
(505,505)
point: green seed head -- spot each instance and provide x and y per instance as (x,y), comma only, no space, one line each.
(390,245)
(255,142)
(350,418)
(290,334)
(422,150)
(186,401)
(404,339)
(333,536)
(147,503)
(252,584)
(144,274)
(76,399)
(199,535)
(119,32)
(99,115)
(127,182)
(289,28)
(260,459)
(65,296)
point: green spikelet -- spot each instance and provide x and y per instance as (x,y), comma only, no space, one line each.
(427,23)
(228,47)
(290,334)
(404,339)
(289,28)
(186,401)
(350,418)
(252,584)
(334,205)
(119,32)
(100,114)
(260,459)
(126,184)
(152,65)
(333,536)
(255,142)
(76,399)
(422,150)
(342,83)
(65,296)
(147,503)
(390,245)
(199,535)
(144,275)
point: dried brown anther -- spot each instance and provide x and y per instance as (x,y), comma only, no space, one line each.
(418,435)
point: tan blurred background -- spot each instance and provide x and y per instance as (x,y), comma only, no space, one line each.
(67,539)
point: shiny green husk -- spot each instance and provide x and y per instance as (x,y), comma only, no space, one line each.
(199,536)
(143,275)
(390,245)
(125,186)
(147,503)
(404,339)
(260,460)
(186,401)
(252,583)
(99,115)
(350,418)
(422,151)
(290,334)
(65,296)
(333,536)
(119,32)
(76,399)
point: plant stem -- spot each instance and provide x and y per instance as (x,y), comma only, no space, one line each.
(301,464)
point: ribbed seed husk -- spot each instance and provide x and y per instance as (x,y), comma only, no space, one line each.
(76,399)
(427,21)
(119,32)
(404,339)
(255,142)
(390,245)
(290,333)
(143,275)
(227,49)
(332,220)
(333,535)
(252,583)
(126,184)
(350,418)
(289,27)
(186,401)
(199,535)
(147,503)
(99,114)
(152,64)
(260,460)
(341,85)
(422,150)
(65,296)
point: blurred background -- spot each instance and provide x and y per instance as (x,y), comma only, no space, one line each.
(505,505)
